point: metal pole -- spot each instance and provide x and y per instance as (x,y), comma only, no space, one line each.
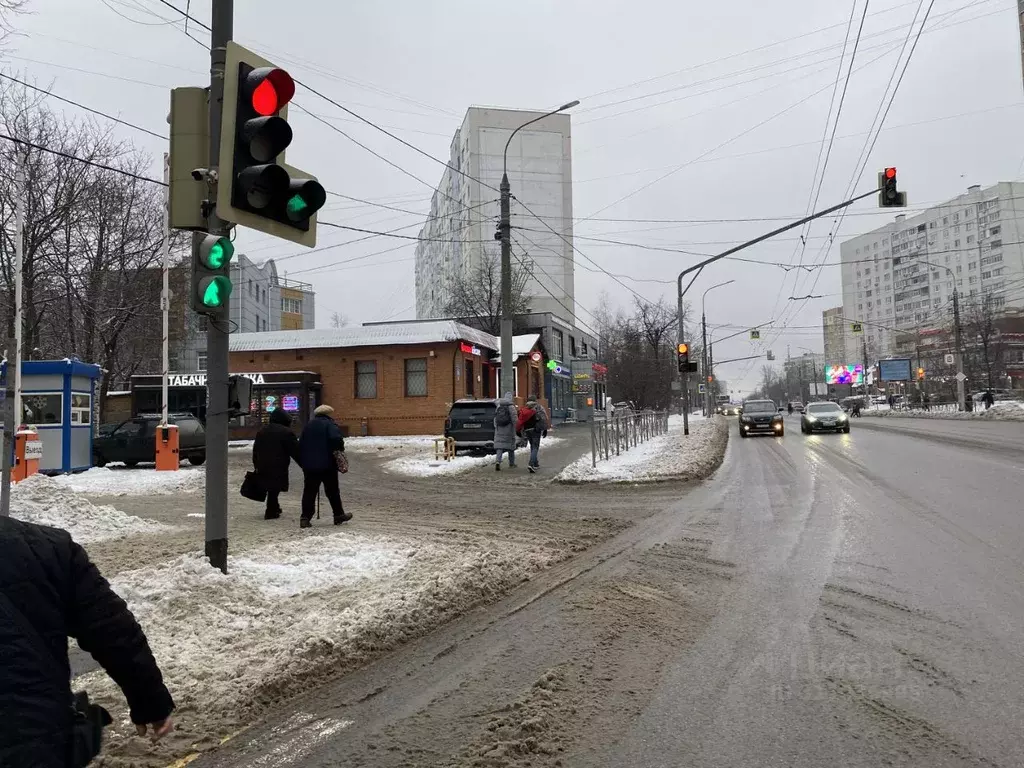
(165,296)
(680,336)
(12,383)
(961,395)
(217,327)
(21,185)
(704,358)
(865,344)
(593,439)
(505,232)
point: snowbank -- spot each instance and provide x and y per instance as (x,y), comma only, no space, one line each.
(1006,410)
(390,446)
(425,465)
(107,481)
(231,646)
(44,500)
(672,456)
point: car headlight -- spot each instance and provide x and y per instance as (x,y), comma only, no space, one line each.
(842,417)
(809,417)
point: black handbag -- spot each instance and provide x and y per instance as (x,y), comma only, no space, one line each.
(252,487)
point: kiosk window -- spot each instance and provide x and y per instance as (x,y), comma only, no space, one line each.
(81,409)
(42,408)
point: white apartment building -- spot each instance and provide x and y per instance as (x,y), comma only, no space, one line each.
(460,229)
(832,324)
(901,276)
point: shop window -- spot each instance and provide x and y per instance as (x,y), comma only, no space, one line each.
(366,379)
(42,408)
(470,379)
(416,377)
(535,385)
(81,409)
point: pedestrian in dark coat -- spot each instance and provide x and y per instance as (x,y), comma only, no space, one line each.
(505,417)
(50,591)
(321,439)
(273,450)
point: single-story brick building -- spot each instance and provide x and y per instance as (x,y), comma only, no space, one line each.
(394,379)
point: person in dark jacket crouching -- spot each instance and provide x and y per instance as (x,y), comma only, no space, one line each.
(321,439)
(272,452)
(50,591)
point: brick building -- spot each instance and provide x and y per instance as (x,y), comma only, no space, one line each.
(394,379)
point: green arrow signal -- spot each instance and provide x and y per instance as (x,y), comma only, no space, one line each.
(214,291)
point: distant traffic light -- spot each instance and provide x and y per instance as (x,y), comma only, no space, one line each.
(888,195)
(211,274)
(710,379)
(683,357)
(257,189)
(920,374)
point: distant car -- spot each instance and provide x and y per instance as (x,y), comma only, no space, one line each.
(824,417)
(471,423)
(731,409)
(761,417)
(797,406)
(134,441)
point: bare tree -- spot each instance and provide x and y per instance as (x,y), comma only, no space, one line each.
(8,10)
(338,320)
(477,295)
(983,337)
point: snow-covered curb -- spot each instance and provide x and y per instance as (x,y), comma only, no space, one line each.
(138,481)
(45,501)
(425,465)
(672,456)
(230,647)
(1004,411)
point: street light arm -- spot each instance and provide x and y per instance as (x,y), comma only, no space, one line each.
(504,163)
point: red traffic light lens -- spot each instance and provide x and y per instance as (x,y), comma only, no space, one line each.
(890,173)
(275,88)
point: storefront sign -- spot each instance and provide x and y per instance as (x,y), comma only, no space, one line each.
(469,349)
(199,379)
(536,357)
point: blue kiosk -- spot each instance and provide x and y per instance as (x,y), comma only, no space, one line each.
(57,398)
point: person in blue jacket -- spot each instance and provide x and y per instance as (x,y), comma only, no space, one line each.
(321,440)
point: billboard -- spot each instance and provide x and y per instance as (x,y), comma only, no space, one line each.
(845,374)
(895,369)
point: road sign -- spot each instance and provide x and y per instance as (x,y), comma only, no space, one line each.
(702,388)
(755,335)
(960,377)
(950,359)
(856,328)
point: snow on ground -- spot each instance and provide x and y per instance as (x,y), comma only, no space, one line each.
(240,445)
(424,464)
(137,481)
(231,646)
(672,456)
(397,445)
(44,500)
(1004,410)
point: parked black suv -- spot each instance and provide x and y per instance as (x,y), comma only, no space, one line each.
(471,423)
(134,441)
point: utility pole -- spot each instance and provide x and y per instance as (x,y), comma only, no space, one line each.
(217,326)
(864,342)
(505,232)
(961,395)
(705,359)
(12,383)
(165,295)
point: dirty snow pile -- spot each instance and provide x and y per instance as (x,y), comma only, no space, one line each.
(44,500)
(231,646)
(398,445)
(1006,410)
(424,464)
(672,456)
(107,481)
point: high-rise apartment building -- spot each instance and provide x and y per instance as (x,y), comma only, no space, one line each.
(459,234)
(900,277)
(834,336)
(261,300)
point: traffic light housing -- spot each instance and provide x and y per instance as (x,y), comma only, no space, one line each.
(683,357)
(211,273)
(256,189)
(888,195)
(920,374)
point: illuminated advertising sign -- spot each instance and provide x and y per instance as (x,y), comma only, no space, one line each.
(845,374)
(895,369)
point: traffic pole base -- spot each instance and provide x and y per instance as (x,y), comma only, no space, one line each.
(217,552)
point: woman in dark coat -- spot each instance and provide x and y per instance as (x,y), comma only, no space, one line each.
(272,451)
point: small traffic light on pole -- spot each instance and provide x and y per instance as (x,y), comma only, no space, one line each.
(256,188)
(211,274)
(683,357)
(888,195)
(920,374)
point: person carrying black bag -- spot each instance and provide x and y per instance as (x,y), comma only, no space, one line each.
(50,591)
(320,446)
(273,450)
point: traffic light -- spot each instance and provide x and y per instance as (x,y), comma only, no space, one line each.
(256,188)
(211,274)
(888,195)
(920,374)
(683,357)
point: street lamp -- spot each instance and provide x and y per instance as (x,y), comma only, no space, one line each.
(505,235)
(705,352)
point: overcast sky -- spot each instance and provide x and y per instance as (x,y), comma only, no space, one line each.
(692,88)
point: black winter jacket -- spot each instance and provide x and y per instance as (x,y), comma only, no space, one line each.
(321,437)
(50,590)
(272,451)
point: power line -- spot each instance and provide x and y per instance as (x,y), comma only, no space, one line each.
(82,160)
(82,106)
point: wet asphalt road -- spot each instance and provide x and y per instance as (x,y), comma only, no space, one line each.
(857,600)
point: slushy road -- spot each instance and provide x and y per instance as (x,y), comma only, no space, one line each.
(853,600)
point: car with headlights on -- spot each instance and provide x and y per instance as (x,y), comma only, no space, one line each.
(761,417)
(824,417)
(731,409)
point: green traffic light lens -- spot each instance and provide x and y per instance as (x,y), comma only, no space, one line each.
(218,253)
(215,292)
(297,208)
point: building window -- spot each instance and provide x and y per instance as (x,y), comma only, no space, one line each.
(201,361)
(42,408)
(81,409)
(416,377)
(572,346)
(291,306)
(366,379)
(559,338)
(470,379)
(583,348)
